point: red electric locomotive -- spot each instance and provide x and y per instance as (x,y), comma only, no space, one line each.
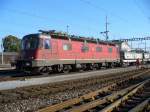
(53,51)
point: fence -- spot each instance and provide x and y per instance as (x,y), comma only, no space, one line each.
(8,57)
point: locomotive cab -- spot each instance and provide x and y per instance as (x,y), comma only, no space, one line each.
(30,44)
(32,49)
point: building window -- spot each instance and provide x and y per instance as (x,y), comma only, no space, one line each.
(67,46)
(98,49)
(47,44)
(110,50)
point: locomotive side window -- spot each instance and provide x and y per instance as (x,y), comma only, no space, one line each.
(67,47)
(110,50)
(85,48)
(47,44)
(98,49)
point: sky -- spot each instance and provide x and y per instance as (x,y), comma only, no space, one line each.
(126,18)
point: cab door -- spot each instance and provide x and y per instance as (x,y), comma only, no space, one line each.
(54,52)
(47,48)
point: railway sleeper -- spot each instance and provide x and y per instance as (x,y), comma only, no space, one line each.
(129,101)
(74,102)
(102,101)
(142,107)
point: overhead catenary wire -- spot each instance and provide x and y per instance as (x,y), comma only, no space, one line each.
(141,9)
(44,18)
(147,17)
(113,14)
(100,8)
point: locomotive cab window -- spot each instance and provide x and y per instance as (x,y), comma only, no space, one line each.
(47,44)
(98,49)
(110,50)
(30,42)
(67,47)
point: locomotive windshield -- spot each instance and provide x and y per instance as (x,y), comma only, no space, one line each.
(30,42)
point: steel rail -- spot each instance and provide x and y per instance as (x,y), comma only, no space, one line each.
(25,82)
(141,106)
(124,98)
(68,103)
(103,100)
(73,101)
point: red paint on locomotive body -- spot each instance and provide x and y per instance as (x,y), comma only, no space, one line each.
(49,49)
(57,52)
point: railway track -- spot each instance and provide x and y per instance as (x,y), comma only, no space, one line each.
(38,96)
(111,98)
(24,81)
(12,74)
(8,75)
(133,101)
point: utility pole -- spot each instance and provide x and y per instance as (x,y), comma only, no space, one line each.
(2,52)
(106,29)
(67,29)
(131,44)
(145,46)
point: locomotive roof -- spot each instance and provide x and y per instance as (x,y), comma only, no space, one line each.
(65,36)
(31,35)
(80,38)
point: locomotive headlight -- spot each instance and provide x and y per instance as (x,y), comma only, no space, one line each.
(27,64)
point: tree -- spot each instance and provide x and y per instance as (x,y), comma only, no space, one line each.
(11,44)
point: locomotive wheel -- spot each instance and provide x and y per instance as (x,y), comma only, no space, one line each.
(66,69)
(95,67)
(35,71)
(109,65)
(59,68)
(45,70)
(73,68)
(99,66)
(83,67)
(55,69)
(89,67)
